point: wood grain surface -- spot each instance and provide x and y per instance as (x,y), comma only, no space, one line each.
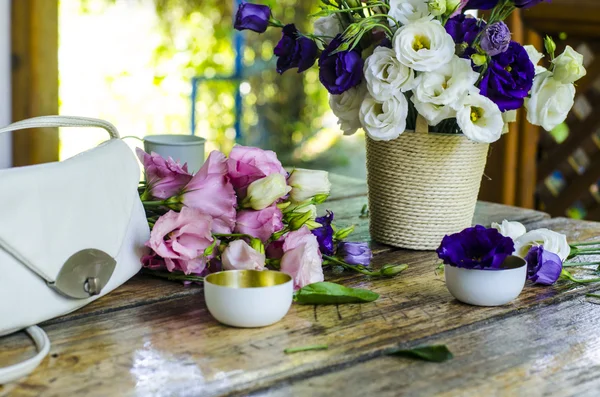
(156,338)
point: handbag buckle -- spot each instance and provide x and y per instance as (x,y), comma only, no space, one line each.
(84,274)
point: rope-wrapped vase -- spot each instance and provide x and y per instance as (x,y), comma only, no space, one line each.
(422,186)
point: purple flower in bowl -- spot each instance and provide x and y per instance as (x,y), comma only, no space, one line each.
(496,38)
(476,248)
(543,267)
(295,51)
(340,71)
(509,78)
(253,17)
(355,253)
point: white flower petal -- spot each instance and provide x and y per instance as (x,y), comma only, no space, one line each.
(480,119)
(384,121)
(423,46)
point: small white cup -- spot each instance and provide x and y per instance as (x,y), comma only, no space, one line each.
(248,298)
(487,287)
(183,148)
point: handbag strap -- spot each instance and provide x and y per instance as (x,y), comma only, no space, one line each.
(62,121)
(24,368)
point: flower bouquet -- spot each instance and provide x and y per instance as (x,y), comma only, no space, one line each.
(453,82)
(244,212)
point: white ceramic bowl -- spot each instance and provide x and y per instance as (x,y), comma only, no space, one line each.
(248,298)
(487,287)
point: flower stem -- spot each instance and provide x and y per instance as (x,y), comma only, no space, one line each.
(569,276)
(586,243)
(154,203)
(234,235)
(358,269)
(176,276)
(593,296)
(290,350)
(579,264)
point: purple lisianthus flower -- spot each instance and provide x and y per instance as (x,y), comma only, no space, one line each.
(464,30)
(341,71)
(543,267)
(355,253)
(253,17)
(481,4)
(294,51)
(509,78)
(476,248)
(324,234)
(528,3)
(496,39)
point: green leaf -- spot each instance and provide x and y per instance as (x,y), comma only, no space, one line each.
(330,293)
(290,350)
(435,354)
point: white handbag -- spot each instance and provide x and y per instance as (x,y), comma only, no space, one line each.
(70,232)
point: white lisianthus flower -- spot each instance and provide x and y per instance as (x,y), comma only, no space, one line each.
(550,101)
(384,121)
(265,191)
(551,241)
(386,76)
(346,106)
(408,11)
(329,27)
(446,86)
(434,114)
(307,184)
(423,46)
(568,66)
(510,116)
(480,119)
(514,230)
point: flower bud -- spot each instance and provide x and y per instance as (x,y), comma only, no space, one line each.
(437,7)
(265,191)
(257,245)
(392,270)
(311,225)
(308,184)
(320,198)
(343,233)
(568,66)
(298,220)
(479,59)
(550,45)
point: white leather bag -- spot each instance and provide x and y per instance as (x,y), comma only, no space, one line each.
(70,232)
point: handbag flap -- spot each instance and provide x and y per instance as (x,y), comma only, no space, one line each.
(49,212)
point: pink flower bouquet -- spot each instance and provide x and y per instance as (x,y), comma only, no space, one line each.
(243,212)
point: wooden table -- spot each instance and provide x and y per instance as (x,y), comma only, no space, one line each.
(155,338)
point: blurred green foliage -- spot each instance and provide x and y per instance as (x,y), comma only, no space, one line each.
(280,112)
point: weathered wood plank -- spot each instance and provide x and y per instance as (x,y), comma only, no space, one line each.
(550,351)
(176,347)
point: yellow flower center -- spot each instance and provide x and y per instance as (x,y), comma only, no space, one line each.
(421,42)
(508,68)
(476,114)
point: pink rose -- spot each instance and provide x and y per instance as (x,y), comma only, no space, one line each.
(211,192)
(239,256)
(247,164)
(165,178)
(260,224)
(181,238)
(302,258)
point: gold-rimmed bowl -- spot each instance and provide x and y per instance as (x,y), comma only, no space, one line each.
(248,298)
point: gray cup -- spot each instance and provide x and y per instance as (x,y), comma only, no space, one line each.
(183,148)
